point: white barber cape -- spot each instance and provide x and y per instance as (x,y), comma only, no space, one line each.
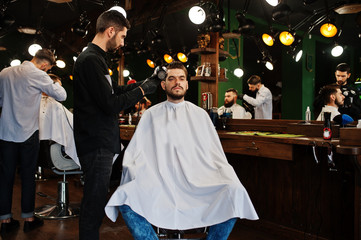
(175,173)
(56,124)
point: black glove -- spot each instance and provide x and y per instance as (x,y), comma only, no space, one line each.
(150,84)
(240,96)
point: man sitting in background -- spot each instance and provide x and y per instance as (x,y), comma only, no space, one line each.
(175,173)
(333,99)
(230,105)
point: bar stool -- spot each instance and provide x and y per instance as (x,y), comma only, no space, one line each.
(63,165)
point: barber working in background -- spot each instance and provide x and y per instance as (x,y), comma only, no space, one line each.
(20,95)
(97,103)
(263,101)
(352,103)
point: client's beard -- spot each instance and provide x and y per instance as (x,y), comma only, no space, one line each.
(229,104)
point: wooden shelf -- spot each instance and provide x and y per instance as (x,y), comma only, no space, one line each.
(208,79)
(222,53)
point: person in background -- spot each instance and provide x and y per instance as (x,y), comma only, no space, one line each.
(230,104)
(20,95)
(352,102)
(97,103)
(263,101)
(333,99)
(140,107)
(175,173)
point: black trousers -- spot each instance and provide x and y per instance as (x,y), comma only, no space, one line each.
(26,155)
(97,168)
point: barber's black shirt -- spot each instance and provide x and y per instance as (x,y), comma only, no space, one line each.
(97,102)
(352,102)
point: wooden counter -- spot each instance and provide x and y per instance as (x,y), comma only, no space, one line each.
(295,190)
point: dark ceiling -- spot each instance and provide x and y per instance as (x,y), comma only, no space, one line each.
(53,19)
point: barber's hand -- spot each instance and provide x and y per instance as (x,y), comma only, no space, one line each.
(149,85)
(159,73)
(240,96)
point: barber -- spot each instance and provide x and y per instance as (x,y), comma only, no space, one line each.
(97,103)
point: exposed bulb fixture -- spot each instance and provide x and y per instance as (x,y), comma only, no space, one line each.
(298,55)
(328,30)
(126,73)
(150,63)
(269,65)
(286,38)
(182,57)
(110,72)
(168,58)
(60,64)
(273,2)
(238,72)
(119,9)
(15,62)
(197,15)
(337,51)
(34,48)
(267,39)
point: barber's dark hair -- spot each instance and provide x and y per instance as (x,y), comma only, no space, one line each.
(232,90)
(111,18)
(45,54)
(177,65)
(343,67)
(254,79)
(327,91)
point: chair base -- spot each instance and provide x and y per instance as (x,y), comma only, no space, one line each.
(52,211)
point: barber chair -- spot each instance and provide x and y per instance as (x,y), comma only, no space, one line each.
(62,165)
(191,234)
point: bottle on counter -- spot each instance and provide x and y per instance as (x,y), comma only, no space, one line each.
(308,115)
(327,132)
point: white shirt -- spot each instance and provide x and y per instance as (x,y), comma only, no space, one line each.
(333,110)
(238,112)
(262,103)
(56,123)
(175,173)
(20,95)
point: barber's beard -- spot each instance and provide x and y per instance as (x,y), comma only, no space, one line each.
(228,104)
(112,45)
(338,103)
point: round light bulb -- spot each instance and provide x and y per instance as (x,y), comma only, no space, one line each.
(119,9)
(60,64)
(269,65)
(126,73)
(298,55)
(197,15)
(33,49)
(168,58)
(238,72)
(328,30)
(150,63)
(337,51)
(267,39)
(182,57)
(15,62)
(273,2)
(286,38)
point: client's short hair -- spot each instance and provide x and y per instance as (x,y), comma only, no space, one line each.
(45,54)
(327,91)
(177,65)
(232,90)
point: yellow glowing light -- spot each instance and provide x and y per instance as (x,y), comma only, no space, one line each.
(182,57)
(168,58)
(328,30)
(110,72)
(150,63)
(286,38)
(267,39)
(71,77)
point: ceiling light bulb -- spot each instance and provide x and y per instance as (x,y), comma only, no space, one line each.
(150,63)
(267,39)
(197,15)
(273,2)
(126,73)
(33,49)
(119,9)
(328,30)
(110,72)
(269,65)
(60,64)
(15,62)
(168,58)
(337,51)
(286,38)
(182,57)
(298,55)
(238,72)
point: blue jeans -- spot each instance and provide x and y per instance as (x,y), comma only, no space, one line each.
(26,155)
(141,229)
(97,168)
